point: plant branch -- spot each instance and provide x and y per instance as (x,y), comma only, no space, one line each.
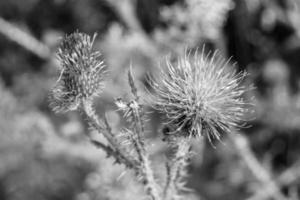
(104,128)
(287,177)
(24,39)
(125,9)
(176,167)
(149,182)
(144,162)
(260,173)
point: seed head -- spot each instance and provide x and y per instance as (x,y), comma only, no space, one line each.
(81,75)
(199,95)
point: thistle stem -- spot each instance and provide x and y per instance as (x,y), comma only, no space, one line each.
(148,178)
(119,154)
(176,167)
(109,151)
(146,171)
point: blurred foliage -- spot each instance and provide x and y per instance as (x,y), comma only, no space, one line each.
(46,156)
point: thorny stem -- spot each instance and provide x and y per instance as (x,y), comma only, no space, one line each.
(136,109)
(146,171)
(138,124)
(104,129)
(109,151)
(142,167)
(176,167)
(148,178)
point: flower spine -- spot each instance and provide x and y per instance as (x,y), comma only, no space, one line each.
(200,95)
(82,73)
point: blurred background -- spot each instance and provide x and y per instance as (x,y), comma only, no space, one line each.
(44,156)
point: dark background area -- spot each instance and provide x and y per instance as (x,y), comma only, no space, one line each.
(44,156)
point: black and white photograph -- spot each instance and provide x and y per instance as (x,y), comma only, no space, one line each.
(149,99)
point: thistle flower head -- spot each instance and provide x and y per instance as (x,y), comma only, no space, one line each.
(81,75)
(200,95)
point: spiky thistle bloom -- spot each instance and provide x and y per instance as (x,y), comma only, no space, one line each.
(200,95)
(81,75)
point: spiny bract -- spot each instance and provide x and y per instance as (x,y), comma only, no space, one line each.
(200,95)
(82,72)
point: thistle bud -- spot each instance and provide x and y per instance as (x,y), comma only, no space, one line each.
(82,73)
(200,95)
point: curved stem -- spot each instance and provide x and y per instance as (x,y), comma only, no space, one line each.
(142,167)
(104,128)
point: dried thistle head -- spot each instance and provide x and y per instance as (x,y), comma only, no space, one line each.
(82,73)
(200,95)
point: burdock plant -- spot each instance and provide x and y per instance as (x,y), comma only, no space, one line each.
(199,95)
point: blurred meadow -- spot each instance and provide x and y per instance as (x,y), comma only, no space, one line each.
(47,156)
